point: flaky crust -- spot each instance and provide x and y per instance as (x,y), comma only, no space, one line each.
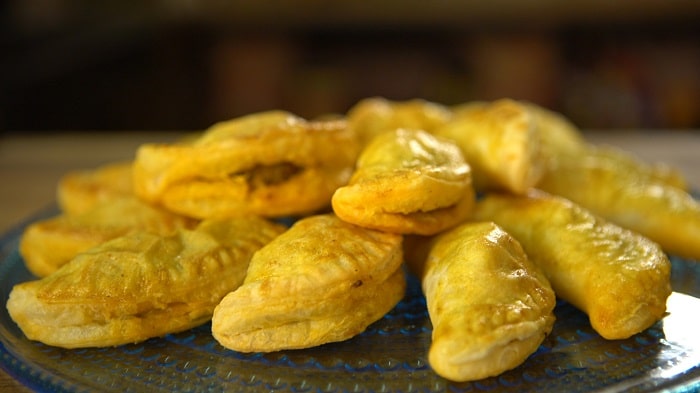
(271,164)
(373,116)
(618,277)
(648,199)
(501,142)
(489,305)
(407,181)
(557,134)
(79,191)
(48,244)
(323,280)
(139,286)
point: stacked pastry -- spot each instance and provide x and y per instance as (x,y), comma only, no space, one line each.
(186,233)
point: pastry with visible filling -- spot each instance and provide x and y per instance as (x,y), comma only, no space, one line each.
(324,280)
(140,285)
(270,164)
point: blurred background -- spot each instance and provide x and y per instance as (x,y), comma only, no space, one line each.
(185,64)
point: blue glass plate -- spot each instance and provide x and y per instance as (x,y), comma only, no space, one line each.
(389,356)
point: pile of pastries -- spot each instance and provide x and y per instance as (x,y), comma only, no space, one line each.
(498,207)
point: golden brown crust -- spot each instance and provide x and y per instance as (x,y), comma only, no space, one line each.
(323,280)
(489,305)
(647,199)
(373,116)
(557,134)
(140,285)
(407,181)
(500,141)
(618,277)
(270,164)
(79,191)
(140,269)
(48,244)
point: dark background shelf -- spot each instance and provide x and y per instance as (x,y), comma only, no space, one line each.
(186,64)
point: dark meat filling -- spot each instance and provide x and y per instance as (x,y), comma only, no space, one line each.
(269,175)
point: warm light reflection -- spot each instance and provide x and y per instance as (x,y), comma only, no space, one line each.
(680,329)
(675,325)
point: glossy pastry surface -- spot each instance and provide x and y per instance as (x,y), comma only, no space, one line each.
(140,285)
(500,141)
(48,244)
(323,280)
(271,164)
(618,277)
(490,306)
(649,199)
(407,181)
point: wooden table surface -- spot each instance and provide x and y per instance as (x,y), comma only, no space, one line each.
(31,164)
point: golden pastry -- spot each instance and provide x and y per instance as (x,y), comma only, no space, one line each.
(270,164)
(634,195)
(373,116)
(618,277)
(500,141)
(562,140)
(407,181)
(140,285)
(48,244)
(557,134)
(79,191)
(323,280)
(490,307)
(656,171)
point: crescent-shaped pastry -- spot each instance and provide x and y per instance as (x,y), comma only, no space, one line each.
(373,116)
(48,244)
(558,135)
(139,286)
(270,164)
(323,280)
(490,307)
(627,162)
(618,277)
(407,181)
(78,191)
(644,198)
(501,143)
